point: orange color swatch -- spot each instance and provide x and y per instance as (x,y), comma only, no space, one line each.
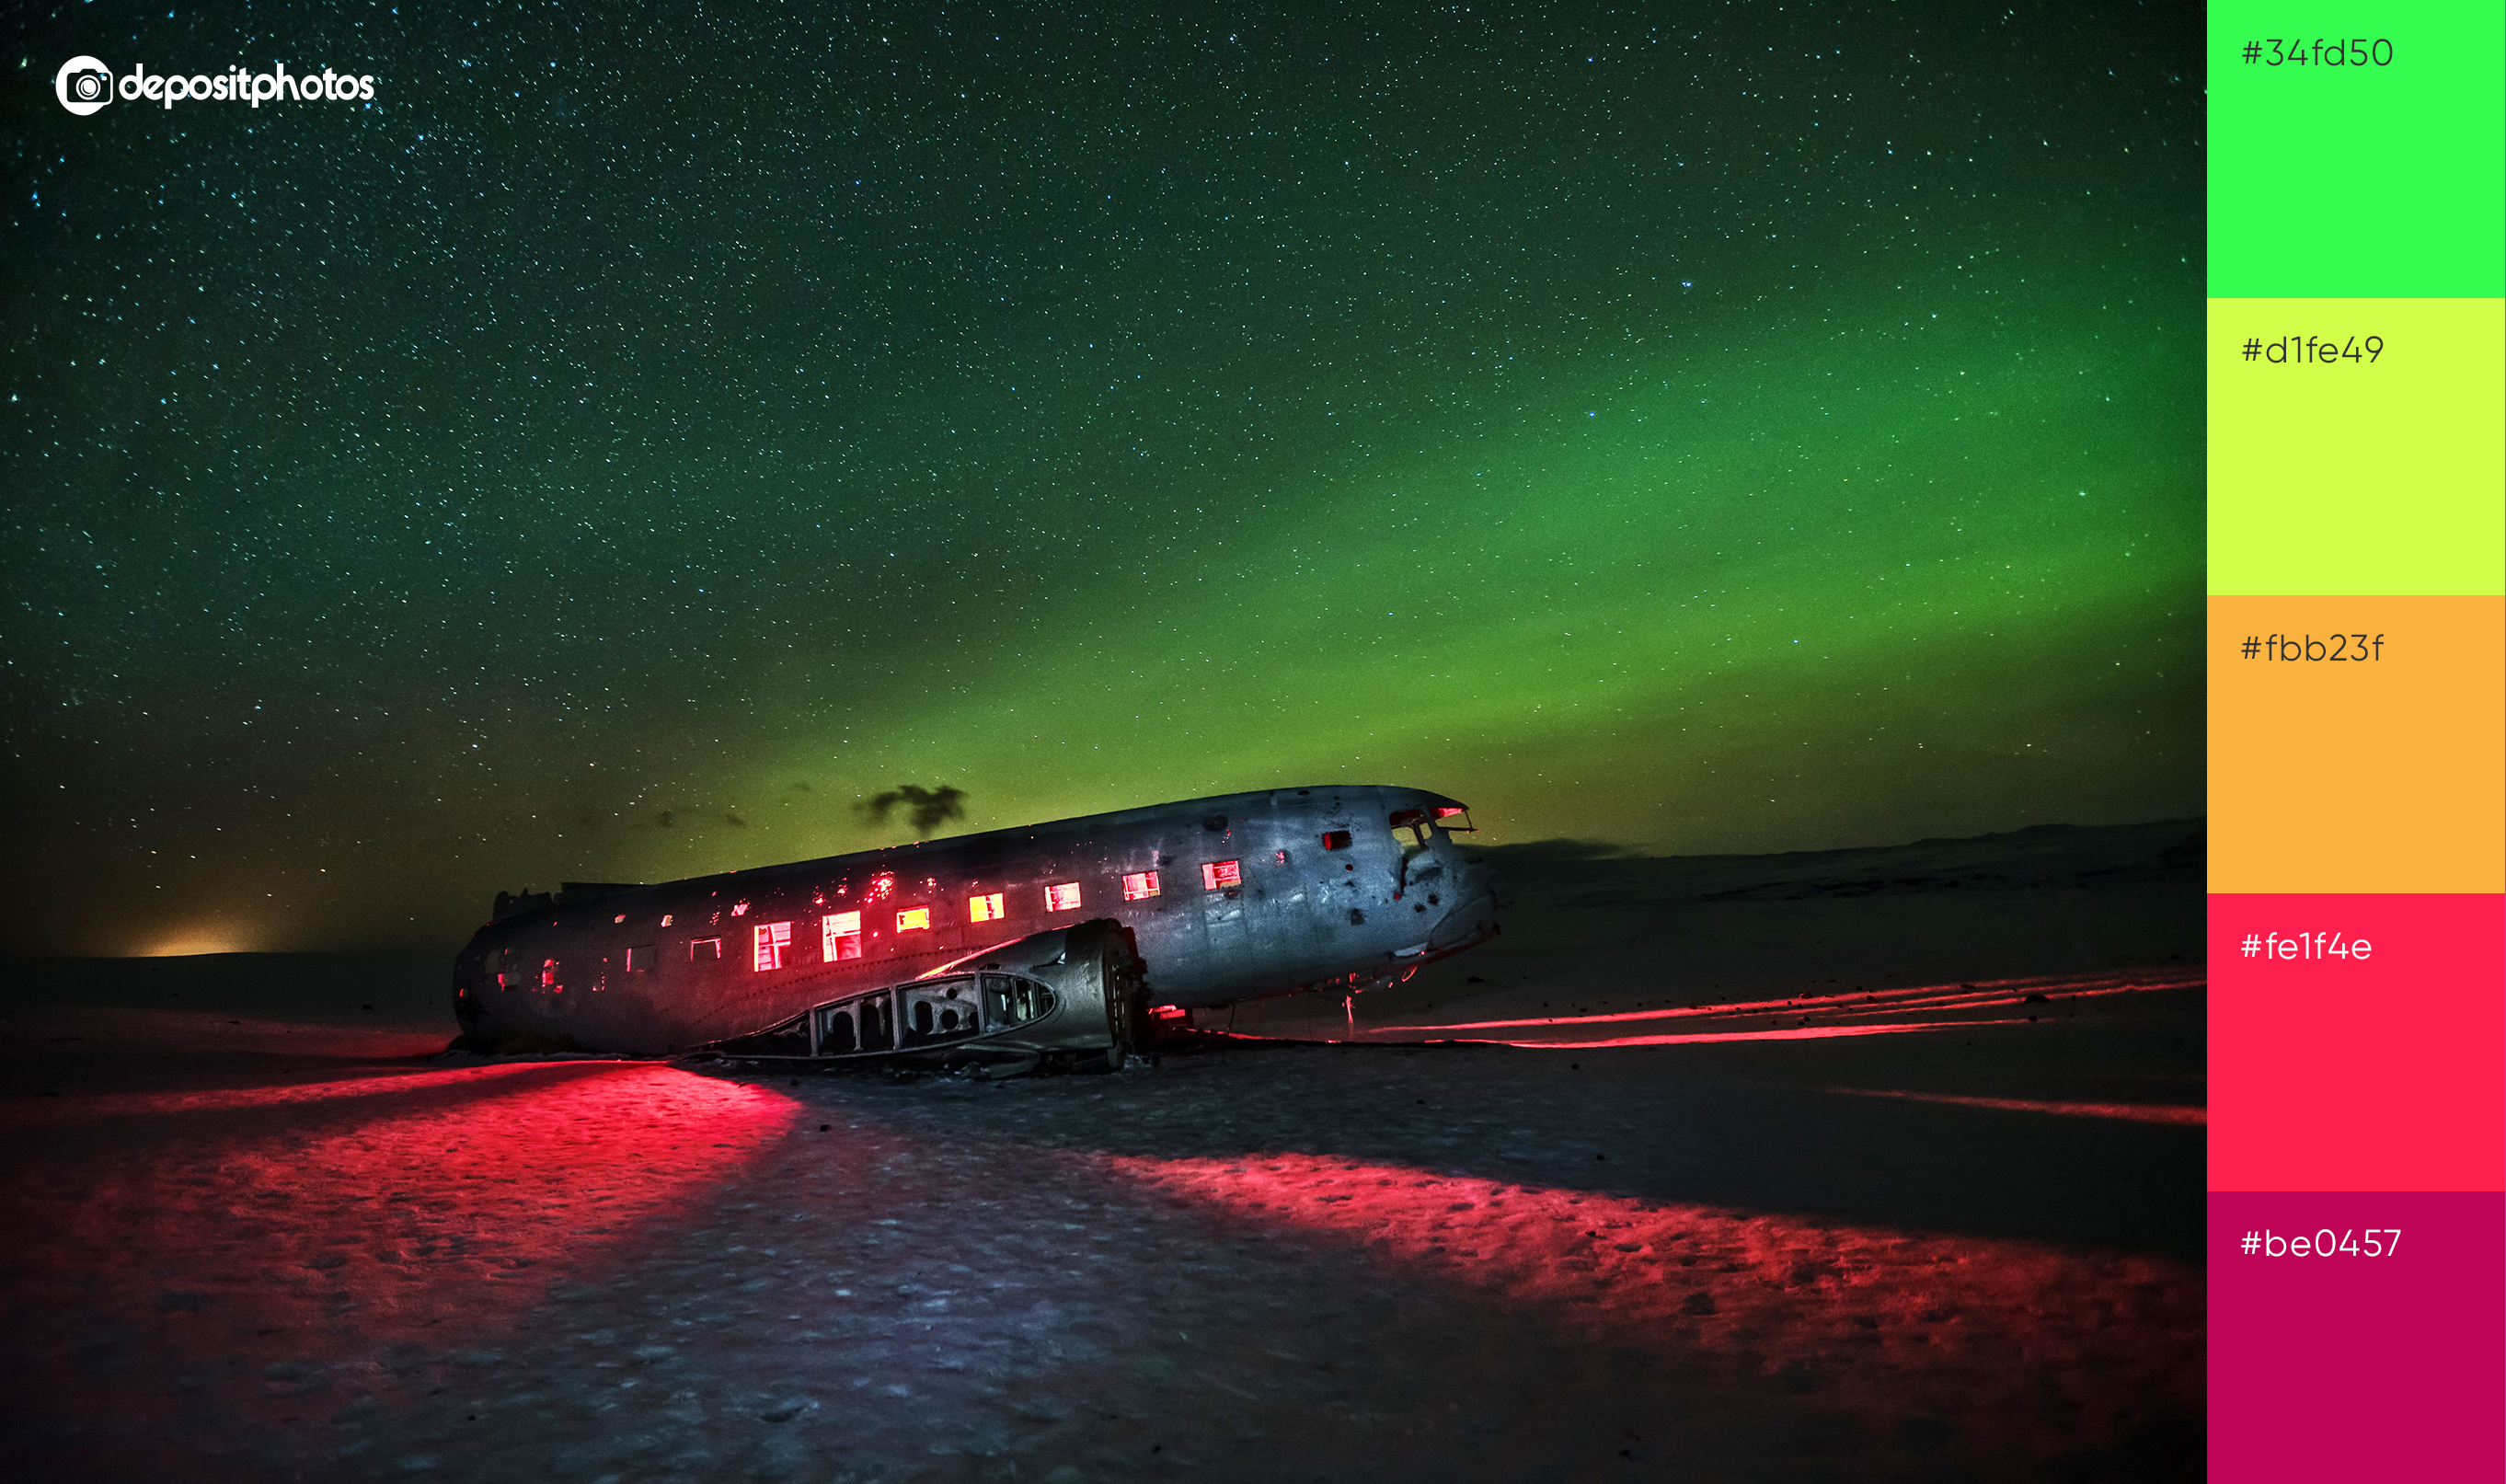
(2354,743)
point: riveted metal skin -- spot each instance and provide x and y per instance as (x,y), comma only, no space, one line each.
(1249,899)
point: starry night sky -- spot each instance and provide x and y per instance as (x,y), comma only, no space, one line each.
(639,435)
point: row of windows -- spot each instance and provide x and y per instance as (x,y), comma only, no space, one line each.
(840,933)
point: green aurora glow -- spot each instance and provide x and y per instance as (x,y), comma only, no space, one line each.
(1744,440)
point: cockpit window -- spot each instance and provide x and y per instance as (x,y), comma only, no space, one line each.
(1409,829)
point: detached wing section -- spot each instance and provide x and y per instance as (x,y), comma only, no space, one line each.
(1068,999)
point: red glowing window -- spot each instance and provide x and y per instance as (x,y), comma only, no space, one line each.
(985,909)
(704,950)
(1336,840)
(839,936)
(639,959)
(1215,874)
(914,920)
(1139,884)
(772,940)
(1063,897)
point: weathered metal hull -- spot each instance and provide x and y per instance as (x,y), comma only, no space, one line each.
(1226,898)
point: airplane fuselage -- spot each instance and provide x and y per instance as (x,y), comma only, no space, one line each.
(1227,898)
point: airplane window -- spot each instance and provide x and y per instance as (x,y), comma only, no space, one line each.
(703,950)
(1409,830)
(834,1033)
(771,941)
(941,1010)
(639,959)
(839,936)
(985,909)
(1215,874)
(914,920)
(1008,1001)
(1063,897)
(1139,884)
(1336,840)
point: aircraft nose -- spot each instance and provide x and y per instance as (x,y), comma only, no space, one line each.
(1473,915)
(1465,922)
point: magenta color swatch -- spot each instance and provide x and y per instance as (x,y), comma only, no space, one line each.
(2332,1073)
(2355,1368)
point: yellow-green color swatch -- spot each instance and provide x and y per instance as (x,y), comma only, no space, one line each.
(2356,446)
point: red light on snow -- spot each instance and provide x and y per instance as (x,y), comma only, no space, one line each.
(914,920)
(366,1167)
(985,907)
(1215,874)
(1139,884)
(839,936)
(1063,898)
(1695,1282)
(772,940)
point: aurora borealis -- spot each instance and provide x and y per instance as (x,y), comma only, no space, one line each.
(638,436)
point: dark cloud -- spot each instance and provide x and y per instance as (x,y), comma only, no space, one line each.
(924,807)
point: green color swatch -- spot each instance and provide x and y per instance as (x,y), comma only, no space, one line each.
(2351,179)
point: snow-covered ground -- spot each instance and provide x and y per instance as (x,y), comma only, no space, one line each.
(1958,1243)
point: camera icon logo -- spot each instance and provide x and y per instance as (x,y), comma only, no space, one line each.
(84,84)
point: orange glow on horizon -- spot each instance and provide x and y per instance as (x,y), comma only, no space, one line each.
(194,942)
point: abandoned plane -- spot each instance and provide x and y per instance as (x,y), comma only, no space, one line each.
(1042,947)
